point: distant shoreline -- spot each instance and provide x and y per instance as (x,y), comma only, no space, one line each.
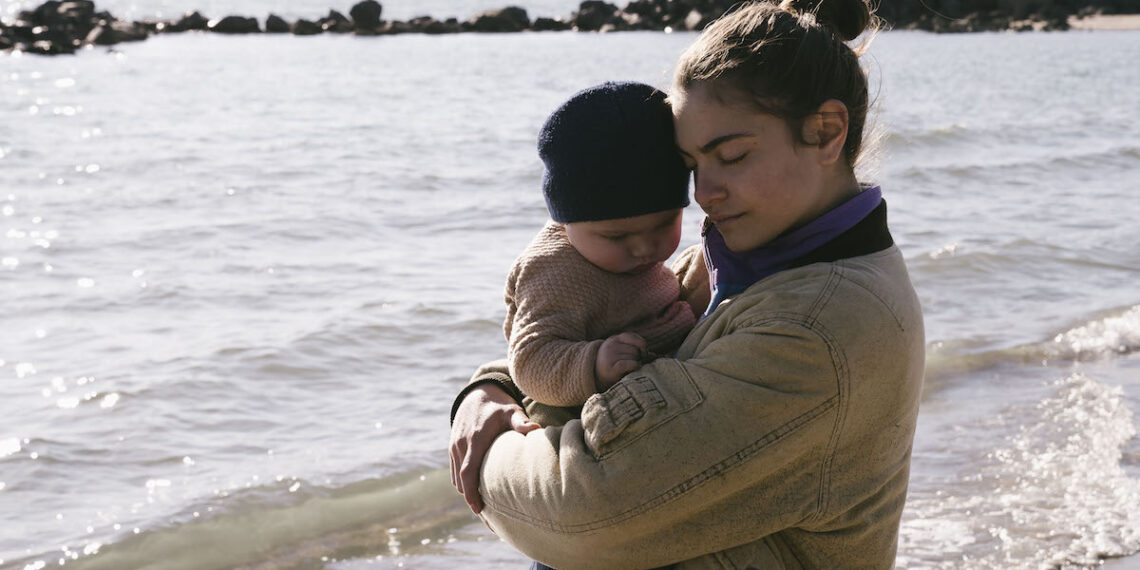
(1103,22)
(62,27)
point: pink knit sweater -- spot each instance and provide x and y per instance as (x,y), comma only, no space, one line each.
(560,307)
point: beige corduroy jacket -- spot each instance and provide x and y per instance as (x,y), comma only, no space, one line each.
(779,437)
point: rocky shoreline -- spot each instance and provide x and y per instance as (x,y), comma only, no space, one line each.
(62,27)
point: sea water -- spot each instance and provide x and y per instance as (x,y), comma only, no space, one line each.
(241,279)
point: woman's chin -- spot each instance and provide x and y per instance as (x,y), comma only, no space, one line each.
(740,242)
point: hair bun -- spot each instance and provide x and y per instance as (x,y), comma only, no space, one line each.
(848,18)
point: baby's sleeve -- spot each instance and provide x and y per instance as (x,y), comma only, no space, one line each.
(548,312)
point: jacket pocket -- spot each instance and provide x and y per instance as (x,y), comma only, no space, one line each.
(636,406)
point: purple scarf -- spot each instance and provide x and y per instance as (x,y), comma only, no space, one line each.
(731,273)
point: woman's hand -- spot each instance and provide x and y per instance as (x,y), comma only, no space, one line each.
(486,412)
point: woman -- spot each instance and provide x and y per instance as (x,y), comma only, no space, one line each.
(780,435)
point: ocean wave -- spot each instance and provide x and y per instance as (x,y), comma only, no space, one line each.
(931,137)
(1112,334)
(1009,258)
(284,525)
(1028,165)
(1055,495)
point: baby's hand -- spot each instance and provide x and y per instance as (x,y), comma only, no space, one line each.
(619,355)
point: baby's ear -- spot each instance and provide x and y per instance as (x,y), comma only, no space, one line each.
(826,129)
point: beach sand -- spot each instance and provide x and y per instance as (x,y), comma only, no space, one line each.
(1106,22)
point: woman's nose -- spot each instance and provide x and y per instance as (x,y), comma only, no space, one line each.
(708,189)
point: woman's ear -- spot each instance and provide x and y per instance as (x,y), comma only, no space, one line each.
(826,129)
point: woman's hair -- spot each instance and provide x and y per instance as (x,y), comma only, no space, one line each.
(787,58)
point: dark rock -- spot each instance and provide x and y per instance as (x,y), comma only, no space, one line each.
(129,31)
(46,14)
(235,25)
(306,28)
(46,47)
(367,31)
(448,26)
(190,21)
(1059,24)
(395,27)
(427,25)
(79,16)
(510,19)
(154,26)
(593,14)
(643,8)
(20,33)
(549,25)
(53,40)
(60,22)
(275,24)
(111,33)
(101,35)
(336,23)
(366,15)
(163,26)
(79,9)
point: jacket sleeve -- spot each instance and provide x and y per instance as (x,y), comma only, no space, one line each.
(551,359)
(694,279)
(679,459)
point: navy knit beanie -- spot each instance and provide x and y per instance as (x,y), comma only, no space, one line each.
(609,153)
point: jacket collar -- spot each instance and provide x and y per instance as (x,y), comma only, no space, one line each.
(856,227)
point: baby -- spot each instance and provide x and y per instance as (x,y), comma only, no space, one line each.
(590,300)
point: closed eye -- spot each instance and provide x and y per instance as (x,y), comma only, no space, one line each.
(733,160)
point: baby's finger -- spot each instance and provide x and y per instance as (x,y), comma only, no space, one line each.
(635,340)
(631,352)
(626,366)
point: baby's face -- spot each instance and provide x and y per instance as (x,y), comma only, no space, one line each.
(627,245)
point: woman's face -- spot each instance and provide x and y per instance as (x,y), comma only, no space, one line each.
(752,179)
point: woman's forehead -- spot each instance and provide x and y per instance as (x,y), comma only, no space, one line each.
(703,120)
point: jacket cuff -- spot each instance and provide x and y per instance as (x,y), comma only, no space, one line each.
(498,379)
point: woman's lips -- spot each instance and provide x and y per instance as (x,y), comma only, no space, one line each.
(722,220)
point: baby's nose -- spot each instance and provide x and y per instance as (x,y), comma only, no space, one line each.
(642,248)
